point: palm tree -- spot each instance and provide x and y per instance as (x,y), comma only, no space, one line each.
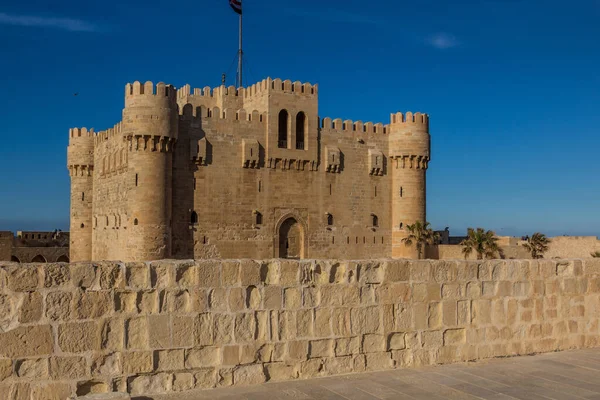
(537,245)
(420,234)
(596,254)
(482,242)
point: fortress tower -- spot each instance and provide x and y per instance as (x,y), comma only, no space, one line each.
(409,147)
(80,162)
(250,172)
(150,128)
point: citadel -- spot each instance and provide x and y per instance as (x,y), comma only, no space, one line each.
(244,173)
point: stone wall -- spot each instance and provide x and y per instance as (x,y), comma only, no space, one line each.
(173,326)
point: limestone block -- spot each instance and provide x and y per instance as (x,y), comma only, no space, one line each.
(223,328)
(332,296)
(373,343)
(137,333)
(253,298)
(504,289)
(35,368)
(126,302)
(56,275)
(322,324)
(147,302)
(137,362)
(321,348)
(181,331)
(270,272)
(68,368)
(249,375)
(169,360)
(297,350)
(360,363)
(51,391)
(179,301)
(78,337)
(367,295)
(58,306)
(305,324)
(27,342)
(403,316)
(396,271)
(206,378)
(370,273)
(237,301)
(339,365)
(435,316)
(137,275)
(23,278)
(20,391)
(474,290)
(292,298)
(90,305)
(230,273)
(31,309)
(445,271)
(452,291)
(186,275)
(312,368)
(104,396)
(432,339)
(6,368)
(161,275)
(340,322)
(250,274)
(253,352)
(183,381)
(273,297)
(110,276)
(92,386)
(204,357)
(379,361)
(204,330)
(282,372)
(245,327)
(467,271)
(209,273)
(231,355)
(391,293)
(481,312)
(366,320)
(83,275)
(150,384)
(217,299)
(454,336)
(425,292)
(450,313)
(396,341)
(287,325)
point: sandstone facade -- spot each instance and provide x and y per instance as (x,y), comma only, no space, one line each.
(244,173)
(166,326)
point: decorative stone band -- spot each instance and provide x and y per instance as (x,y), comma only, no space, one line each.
(163,144)
(286,164)
(410,161)
(81,170)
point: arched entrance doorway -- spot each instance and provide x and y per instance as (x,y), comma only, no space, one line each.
(291,239)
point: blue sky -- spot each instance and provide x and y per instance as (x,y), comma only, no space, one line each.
(512,87)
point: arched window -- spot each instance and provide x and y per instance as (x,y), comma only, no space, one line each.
(135,221)
(194,218)
(329,219)
(300,130)
(375,220)
(258,220)
(15,259)
(283,129)
(63,258)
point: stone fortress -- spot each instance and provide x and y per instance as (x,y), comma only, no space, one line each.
(34,246)
(244,173)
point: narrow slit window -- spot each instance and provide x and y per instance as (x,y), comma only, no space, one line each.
(348,240)
(82,196)
(375,191)
(374,220)
(194,183)
(194,218)
(300,130)
(333,240)
(135,221)
(258,219)
(329,219)
(330,189)
(136,180)
(259,186)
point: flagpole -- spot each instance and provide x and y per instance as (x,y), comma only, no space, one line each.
(240,58)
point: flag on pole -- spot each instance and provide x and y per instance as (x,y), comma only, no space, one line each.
(236,5)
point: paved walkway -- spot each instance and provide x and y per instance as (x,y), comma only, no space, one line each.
(564,376)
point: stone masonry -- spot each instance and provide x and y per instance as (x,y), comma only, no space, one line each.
(244,173)
(168,326)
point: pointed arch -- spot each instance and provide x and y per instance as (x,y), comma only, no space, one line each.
(300,130)
(284,121)
(39,259)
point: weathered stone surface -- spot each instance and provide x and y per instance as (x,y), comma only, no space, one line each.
(150,384)
(204,357)
(58,305)
(31,309)
(249,375)
(34,368)
(27,341)
(77,337)
(23,278)
(137,362)
(68,368)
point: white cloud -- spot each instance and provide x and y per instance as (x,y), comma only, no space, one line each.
(68,24)
(442,41)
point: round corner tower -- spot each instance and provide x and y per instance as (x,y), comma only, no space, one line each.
(80,162)
(150,126)
(409,150)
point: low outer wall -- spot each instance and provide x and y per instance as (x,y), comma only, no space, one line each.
(171,326)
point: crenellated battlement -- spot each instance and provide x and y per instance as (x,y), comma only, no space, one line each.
(149,89)
(410,118)
(189,112)
(339,126)
(81,132)
(282,86)
(108,133)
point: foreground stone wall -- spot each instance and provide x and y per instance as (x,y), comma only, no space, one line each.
(173,325)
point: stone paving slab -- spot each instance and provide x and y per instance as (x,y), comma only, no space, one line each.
(562,376)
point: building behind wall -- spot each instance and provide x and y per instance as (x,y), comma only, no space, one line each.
(244,173)
(34,246)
